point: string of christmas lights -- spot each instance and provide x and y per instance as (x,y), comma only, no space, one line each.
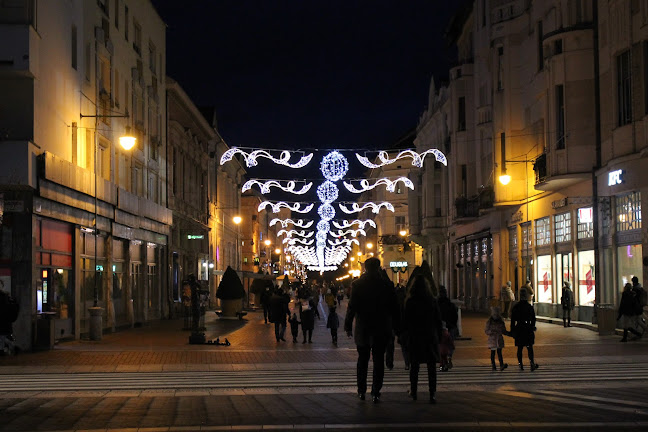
(251,157)
(265,186)
(417,159)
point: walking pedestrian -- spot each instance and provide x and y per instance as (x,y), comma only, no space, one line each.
(389,349)
(373,307)
(523,326)
(495,329)
(507,297)
(294,325)
(446,348)
(422,322)
(627,316)
(279,313)
(567,302)
(307,319)
(450,316)
(400,298)
(265,300)
(528,289)
(333,323)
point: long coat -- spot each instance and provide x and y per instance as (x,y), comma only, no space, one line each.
(567,299)
(307,315)
(374,307)
(523,321)
(422,326)
(278,308)
(495,330)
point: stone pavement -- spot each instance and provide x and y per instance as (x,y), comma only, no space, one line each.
(163,345)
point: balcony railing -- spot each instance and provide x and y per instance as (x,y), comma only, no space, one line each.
(470,207)
(540,168)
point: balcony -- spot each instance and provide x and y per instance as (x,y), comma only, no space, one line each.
(16,56)
(470,207)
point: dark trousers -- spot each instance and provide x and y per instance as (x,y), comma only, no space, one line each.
(307,334)
(280,329)
(334,334)
(529,350)
(566,317)
(377,352)
(265,313)
(414,372)
(499,357)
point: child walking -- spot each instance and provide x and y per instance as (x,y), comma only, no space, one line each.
(333,322)
(495,329)
(294,325)
(446,347)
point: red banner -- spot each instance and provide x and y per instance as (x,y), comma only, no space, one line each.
(588,281)
(545,279)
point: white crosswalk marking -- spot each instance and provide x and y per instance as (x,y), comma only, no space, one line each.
(321,378)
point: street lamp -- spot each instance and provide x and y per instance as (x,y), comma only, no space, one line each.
(237,220)
(402,233)
(127,141)
(369,245)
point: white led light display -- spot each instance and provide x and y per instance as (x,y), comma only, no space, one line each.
(251,157)
(334,166)
(352,233)
(326,212)
(265,186)
(276,207)
(291,233)
(346,224)
(323,226)
(391,184)
(299,223)
(417,159)
(337,242)
(292,241)
(375,208)
(327,192)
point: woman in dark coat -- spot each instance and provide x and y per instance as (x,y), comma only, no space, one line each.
(422,327)
(307,313)
(523,326)
(626,318)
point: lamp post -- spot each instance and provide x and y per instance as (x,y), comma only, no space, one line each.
(237,220)
(127,141)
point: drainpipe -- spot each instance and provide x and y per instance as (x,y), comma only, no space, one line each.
(597,165)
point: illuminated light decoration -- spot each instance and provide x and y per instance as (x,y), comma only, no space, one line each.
(276,207)
(290,233)
(361,223)
(337,242)
(327,192)
(320,236)
(251,157)
(292,241)
(326,211)
(352,232)
(323,226)
(322,268)
(417,159)
(391,184)
(334,166)
(299,223)
(265,186)
(375,208)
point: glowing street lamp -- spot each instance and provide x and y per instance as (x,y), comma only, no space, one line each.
(267,242)
(237,219)
(369,245)
(402,233)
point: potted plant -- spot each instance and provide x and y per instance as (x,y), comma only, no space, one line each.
(230,292)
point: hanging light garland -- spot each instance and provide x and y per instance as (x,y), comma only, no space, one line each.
(352,233)
(375,208)
(417,159)
(265,186)
(346,224)
(299,223)
(391,184)
(276,207)
(291,233)
(251,157)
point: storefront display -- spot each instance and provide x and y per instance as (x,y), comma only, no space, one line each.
(544,282)
(629,263)
(586,291)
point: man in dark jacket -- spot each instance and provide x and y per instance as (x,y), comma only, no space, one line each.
(265,300)
(374,307)
(279,313)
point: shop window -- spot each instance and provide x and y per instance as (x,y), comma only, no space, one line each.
(543,231)
(585,223)
(513,241)
(564,269)
(629,264)
(624,89)
(562,227)
(628,210)
(586,291)
(544,282)
(527,242)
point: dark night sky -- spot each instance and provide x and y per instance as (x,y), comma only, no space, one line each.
(308,73)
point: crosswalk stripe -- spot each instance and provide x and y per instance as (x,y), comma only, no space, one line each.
(335,377)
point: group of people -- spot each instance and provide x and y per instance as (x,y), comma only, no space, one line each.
(631,309)
(377,312)
(298,306)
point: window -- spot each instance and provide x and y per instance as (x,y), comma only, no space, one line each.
(585,223)
(562,224)
(117,14)
(543,231)
(464,180)
(116,93)
(88,62)
(88,150)
(558,47)
(560,117)
(74,47)
(437,200)
(586,281)
(400,224)
(126,22)
(103,160)
(136,180)
(152,57)
(461,114)
(500,68)
(483,13)
(527,240)
(539,46)
(628,210)
(624,90)
(137,37)
(513,241)
(103,5)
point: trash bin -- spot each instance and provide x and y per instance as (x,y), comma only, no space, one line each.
(45,335)
(606,315)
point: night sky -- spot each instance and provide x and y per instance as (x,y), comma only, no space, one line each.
(309,74)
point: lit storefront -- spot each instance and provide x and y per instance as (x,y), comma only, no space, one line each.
(474,264)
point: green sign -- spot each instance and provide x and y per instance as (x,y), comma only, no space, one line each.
(195,237)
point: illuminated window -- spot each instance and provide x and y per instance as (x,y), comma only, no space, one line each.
(585,223)
(543,231)
(628,210)
(562,223)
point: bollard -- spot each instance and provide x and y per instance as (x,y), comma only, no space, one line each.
(96,323)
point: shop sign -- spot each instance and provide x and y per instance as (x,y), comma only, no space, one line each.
(516,217)
(615,177)
(195,237)
(559,203)
(397,266)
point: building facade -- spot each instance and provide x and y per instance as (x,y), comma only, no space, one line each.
(77,76)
